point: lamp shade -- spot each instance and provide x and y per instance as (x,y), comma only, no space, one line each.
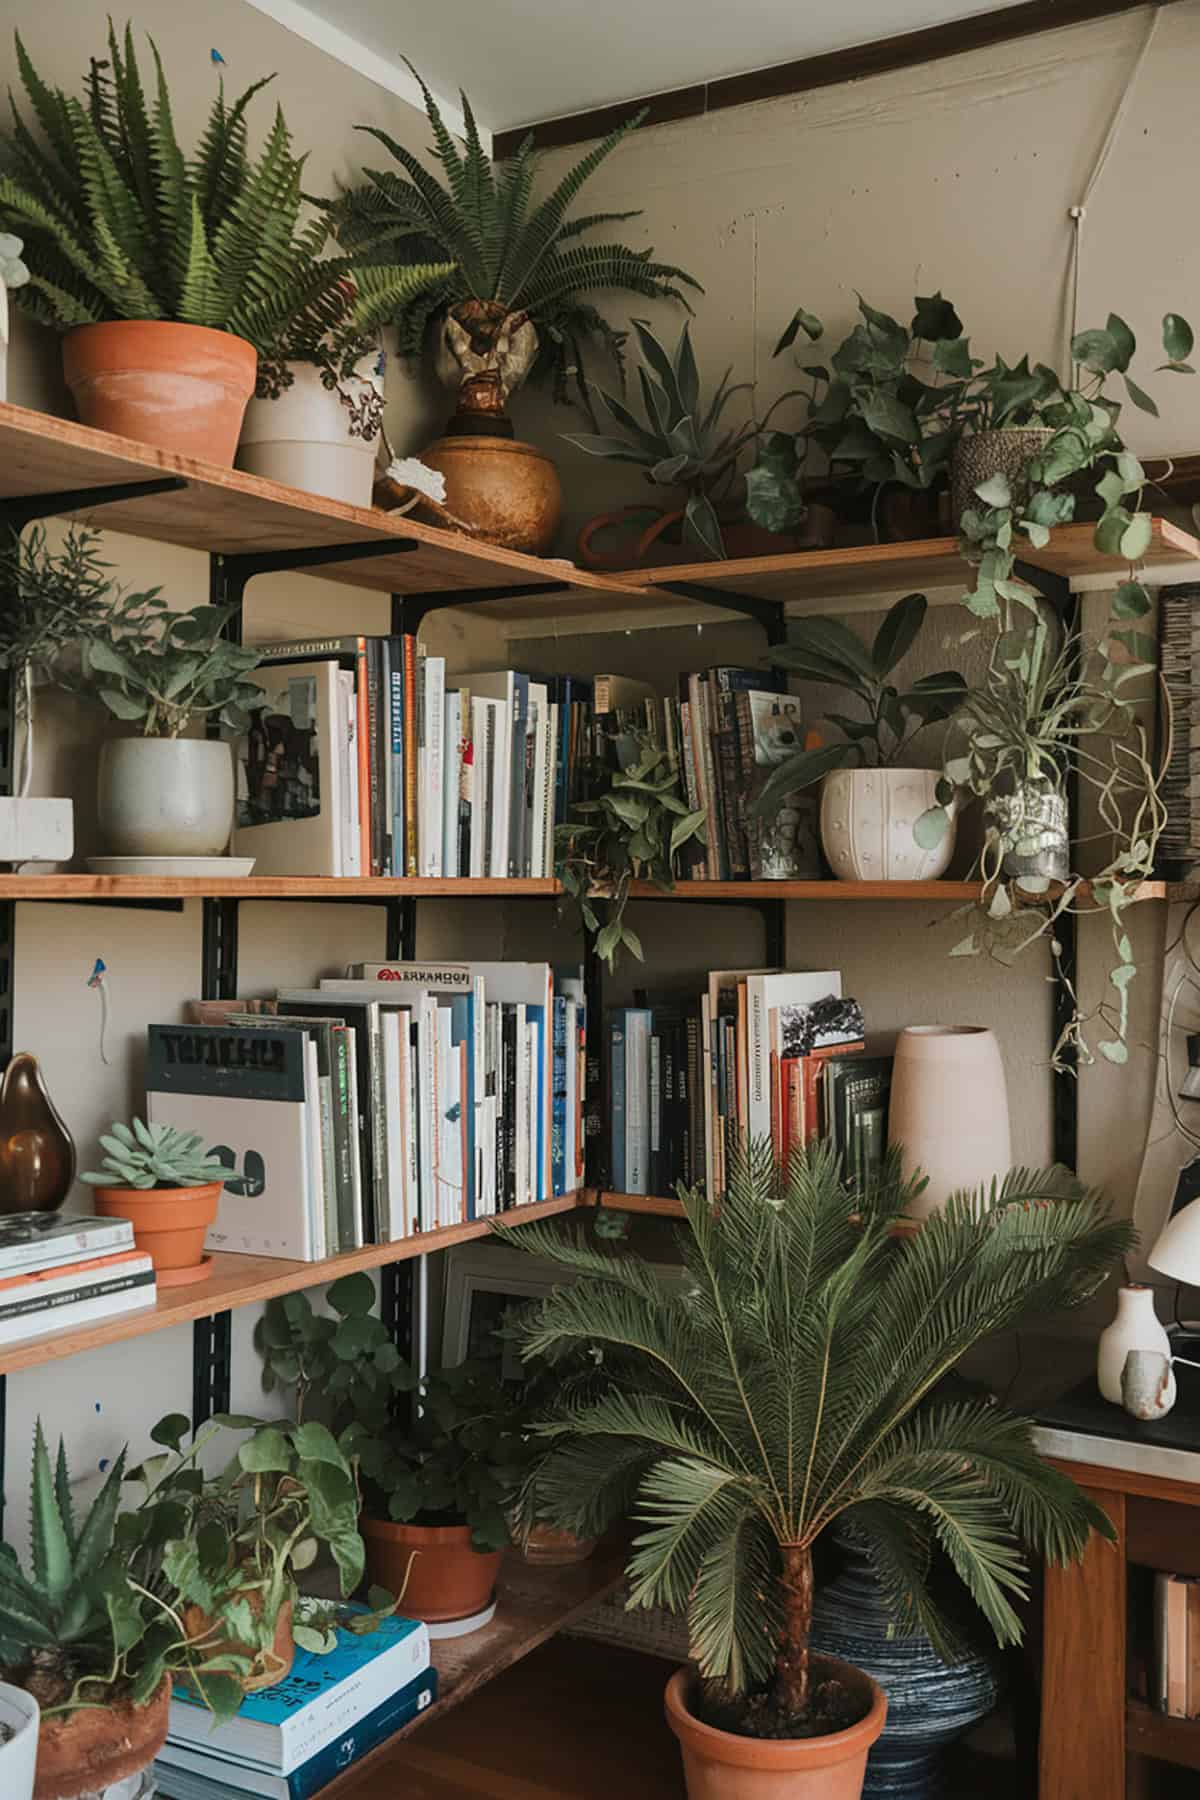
(1177,1250)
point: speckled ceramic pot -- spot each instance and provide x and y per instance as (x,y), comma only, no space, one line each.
(929,1705)
(867,821)
(986,453)
(1033,829)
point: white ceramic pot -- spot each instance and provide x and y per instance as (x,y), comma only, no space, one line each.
(867,820)
(1135,1327)
(313,438)
(949,1110)
(165,796)
(18,1755)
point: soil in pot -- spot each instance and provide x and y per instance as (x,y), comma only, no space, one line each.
(180,387)
(169,1224)
(86,1751)
(434,1568)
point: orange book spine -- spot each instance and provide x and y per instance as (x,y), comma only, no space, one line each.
(410,754)
(777,1110)
(84,1270)
(363,712)
(793,1135)
(1177,1646)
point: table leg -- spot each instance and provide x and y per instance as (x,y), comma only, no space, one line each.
(1082,1750)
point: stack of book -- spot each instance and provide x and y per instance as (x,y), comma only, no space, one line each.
(57,1272)
(290,1741)
(405,1097)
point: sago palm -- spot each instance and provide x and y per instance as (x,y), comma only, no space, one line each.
(790,1380)
(513,299)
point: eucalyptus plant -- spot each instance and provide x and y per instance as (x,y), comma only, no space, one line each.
(633,830)
(161,670)
(154,1156)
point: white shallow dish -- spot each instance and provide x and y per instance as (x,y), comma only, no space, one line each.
(170,865)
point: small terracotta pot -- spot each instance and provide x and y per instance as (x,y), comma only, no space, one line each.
(271,1665)
(447,1578)
(508,491)
(547,1548)
(719,1765)
(181,387)
(85,1752)
(169,1224)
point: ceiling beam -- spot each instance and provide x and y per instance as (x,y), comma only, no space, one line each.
(854,64)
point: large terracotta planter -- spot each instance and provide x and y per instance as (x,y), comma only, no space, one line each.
(180,387)
(868,820)
(270,1666)
(447,1578)
(84,1752)
(165,796)
(18,1752)
(719,1765)
(506,490)
(948,1110)
(169,1224)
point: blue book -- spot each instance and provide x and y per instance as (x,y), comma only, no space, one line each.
(317,1701)
(558,1124)
(194,1772)
(616,1050)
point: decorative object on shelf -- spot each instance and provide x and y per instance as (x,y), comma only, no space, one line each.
(19,1716)
(13,274)
(632,832)
(165,349)
(797,1303)
(948,1113)
(168,1186)
(930,1702)
(166,797)
(510,304)
(1147,1385)
(37,1153)
(871,802)
(316,431)
(996,450)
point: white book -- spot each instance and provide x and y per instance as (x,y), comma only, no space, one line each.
(452,1204)
(322,1191)
(356,1182)
(520,1100)
(452,782)
(31,1241)
(408,1123)
(498,688)
(288,773)
(797,987)
(427,1114)
(58,1319)
(351,853)
(393,1025)
(430,764)
(539,731)
(482,775)
(552,757)
(637,1101)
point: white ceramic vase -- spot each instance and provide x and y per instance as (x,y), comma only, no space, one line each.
(949,1110)
(1135,1327)
(165,796)
(311,438)
(18,1755)
(867,820)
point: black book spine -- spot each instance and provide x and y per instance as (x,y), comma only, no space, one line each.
(508,1089)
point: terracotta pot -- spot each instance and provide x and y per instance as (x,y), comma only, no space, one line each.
(272,1665)
(506,490)
(169,1224)
(948,1110)
(180,387)
(447,1578)
(85,1752)
(547,1548)
(719,1765)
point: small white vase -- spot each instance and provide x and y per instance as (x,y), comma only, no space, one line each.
(948,1110)
(867,821)
(1135,1327)
(18,1755)
(165,796)
(310,438)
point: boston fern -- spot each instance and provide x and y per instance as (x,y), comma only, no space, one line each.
(792,1379)
(512,298)
(119,224)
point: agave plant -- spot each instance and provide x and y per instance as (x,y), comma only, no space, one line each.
(119,224)
(511,301)
(154,1156)
(792,1379)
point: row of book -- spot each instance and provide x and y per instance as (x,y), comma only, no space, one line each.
(290,1741)
(1176,1675)
(403,1098)
(758,1053)
(60,1271)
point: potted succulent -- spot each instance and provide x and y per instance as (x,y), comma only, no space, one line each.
(435,1491)
(161,793)
(169,1187)
(164,347)
(13,274)
(511,304)
(871,799)
(787,1384)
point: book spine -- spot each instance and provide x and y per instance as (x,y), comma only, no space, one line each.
(351,1747)
(637,1104)
(452,783)
(729,770)
(411,862)
(657,1173)
(20,1259)
(707,866)
(1177,1647)
(96,1289)
(343,1130)
(396,749)
(466,782)
(616,1044)
(85,1311)
(383,748)
(558,1124)
(517,810)
(718,858)
(374,789)
(362,733)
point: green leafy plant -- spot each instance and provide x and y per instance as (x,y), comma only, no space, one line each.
(154,1156)
(513,299)
(827,651)
(632,831)
(790,1380)
(120,224)
(160,669)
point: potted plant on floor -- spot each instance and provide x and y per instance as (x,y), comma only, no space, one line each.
(785,1384)
(163,347)
(163,793)
(512,304)
(871,799)
(436,1489)
(169,1187)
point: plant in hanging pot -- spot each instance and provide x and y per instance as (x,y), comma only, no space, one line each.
(870,799)
(511,305)
(169,274)
(788,1382)
(163,794)
(169,1187)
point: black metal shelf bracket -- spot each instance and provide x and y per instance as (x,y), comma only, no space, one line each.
(397,1305)
(231,571)
(770,614)
(212,1367)
(409,611)
(19,510)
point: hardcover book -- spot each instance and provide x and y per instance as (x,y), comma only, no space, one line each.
(289,775)
(45,1240)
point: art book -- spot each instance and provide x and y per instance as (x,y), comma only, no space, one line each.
(289,774)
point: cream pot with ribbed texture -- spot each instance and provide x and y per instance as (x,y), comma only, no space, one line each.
(949,1109)
(868,820)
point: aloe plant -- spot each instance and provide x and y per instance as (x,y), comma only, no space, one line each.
(154,1156)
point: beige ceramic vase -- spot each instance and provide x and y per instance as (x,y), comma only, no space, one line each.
(868,820)
(949,1110)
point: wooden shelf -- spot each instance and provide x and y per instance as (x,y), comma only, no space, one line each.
(238,1280)
(1151,1733)
(666,1206)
